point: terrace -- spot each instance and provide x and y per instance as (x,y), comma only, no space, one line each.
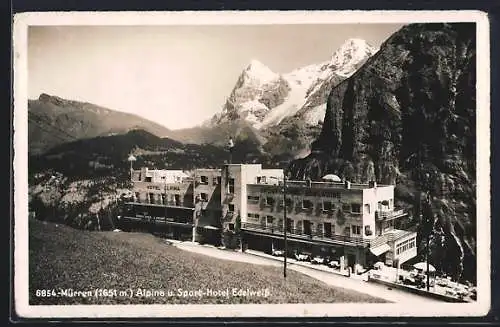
(299,234)
(381,215)
(314,185)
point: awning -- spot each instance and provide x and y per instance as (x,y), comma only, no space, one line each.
(380,249)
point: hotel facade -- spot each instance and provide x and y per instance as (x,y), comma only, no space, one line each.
(356,223)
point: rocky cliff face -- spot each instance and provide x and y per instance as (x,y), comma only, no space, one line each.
(407,117)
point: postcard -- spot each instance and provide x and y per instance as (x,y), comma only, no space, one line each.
(251,164)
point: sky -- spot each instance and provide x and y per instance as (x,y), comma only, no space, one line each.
(177,76)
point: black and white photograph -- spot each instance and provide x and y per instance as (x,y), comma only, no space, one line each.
(251,164)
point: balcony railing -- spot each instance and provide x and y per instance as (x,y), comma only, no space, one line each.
(389,214)
(159,203)
(300,234)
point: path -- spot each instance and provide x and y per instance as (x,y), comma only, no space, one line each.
(330,278)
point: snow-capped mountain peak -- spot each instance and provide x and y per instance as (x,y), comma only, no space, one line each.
(264,98)
(260,72)
(350,54)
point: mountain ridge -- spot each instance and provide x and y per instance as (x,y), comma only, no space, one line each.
(54,120)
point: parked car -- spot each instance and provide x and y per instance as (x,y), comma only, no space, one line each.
(299,256)
(442,282)
(278,253)
(317,260)
(334,264)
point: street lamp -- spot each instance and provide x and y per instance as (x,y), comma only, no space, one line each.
(230,146)
(131,159)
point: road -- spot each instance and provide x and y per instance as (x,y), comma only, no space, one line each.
(330,278)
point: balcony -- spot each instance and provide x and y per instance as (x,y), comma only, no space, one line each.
(389,214)
(299,234)
(159,203)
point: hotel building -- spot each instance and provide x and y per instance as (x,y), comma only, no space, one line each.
(355,222)
(180,205)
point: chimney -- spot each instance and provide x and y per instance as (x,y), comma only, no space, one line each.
(347,185)
(372,184)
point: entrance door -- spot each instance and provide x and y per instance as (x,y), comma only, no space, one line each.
(307,227)
(327,229)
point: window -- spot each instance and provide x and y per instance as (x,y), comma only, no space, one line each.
(253,216)
(307,204)
(177,199)
(231,186)
(346,207)
(261,179)
(215,181)
(151,198)
(356,207)
(269,200)
(137,196)
(148,179)
(269,220)
(231,207)
(356,230)
(253,199)
(230,226)
(204,180)
(204,196)
(367,208)
(327,206)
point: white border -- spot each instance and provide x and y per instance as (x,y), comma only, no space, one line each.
(21,273)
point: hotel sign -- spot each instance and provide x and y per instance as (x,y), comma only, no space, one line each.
(182,220)
(167,187)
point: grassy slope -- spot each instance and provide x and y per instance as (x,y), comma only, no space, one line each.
(61,257)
